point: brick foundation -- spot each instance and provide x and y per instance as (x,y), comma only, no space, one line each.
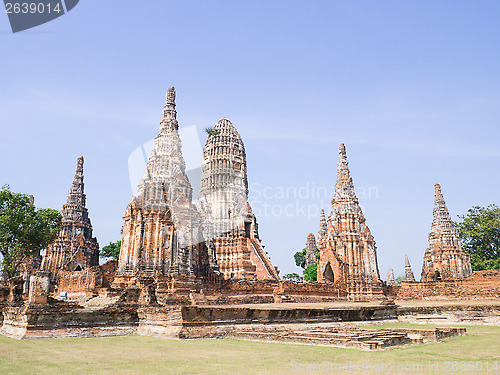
(482,284)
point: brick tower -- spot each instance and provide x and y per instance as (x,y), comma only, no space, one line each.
(162,231)
(230,226)
(75,248)
(444,257)
(311,248)
(347,250)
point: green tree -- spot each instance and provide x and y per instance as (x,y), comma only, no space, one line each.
(112,250)
(311,272)
(300,258)
(399,279)
(24,230)
(211,131)
(480,234)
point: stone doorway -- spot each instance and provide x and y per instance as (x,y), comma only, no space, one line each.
(328,274)
(248,228)
(437,276)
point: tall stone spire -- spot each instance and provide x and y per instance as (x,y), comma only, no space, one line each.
(230,224)
(75,248)
(162,229)
(444,257)
(311,250)
(347,251)
(165,182)
(409,276)
(322,225)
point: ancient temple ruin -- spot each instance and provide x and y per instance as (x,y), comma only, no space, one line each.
(162,230)
(230,227)
(75,248)
(311,250)
(444,258)
(347,250)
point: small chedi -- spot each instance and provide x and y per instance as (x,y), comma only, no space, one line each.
(347,249)
(162,230)
(444,258)
(409,276)
(390,277)
(75,249)
(311,250)
(230,227)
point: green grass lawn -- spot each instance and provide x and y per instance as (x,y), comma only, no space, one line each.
(149,355)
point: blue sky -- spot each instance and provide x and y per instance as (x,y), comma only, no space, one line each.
(411,87)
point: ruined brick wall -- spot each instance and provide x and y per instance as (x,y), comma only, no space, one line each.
(80,281)
(391,290)
(267,291)
(312,292)
(109,271)
(482,284)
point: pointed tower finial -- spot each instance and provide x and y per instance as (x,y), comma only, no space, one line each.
(407,261)
(76,195)
(443,230)
(169,120)
(409,276)
(440,211)
(344,187)
(342,156)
